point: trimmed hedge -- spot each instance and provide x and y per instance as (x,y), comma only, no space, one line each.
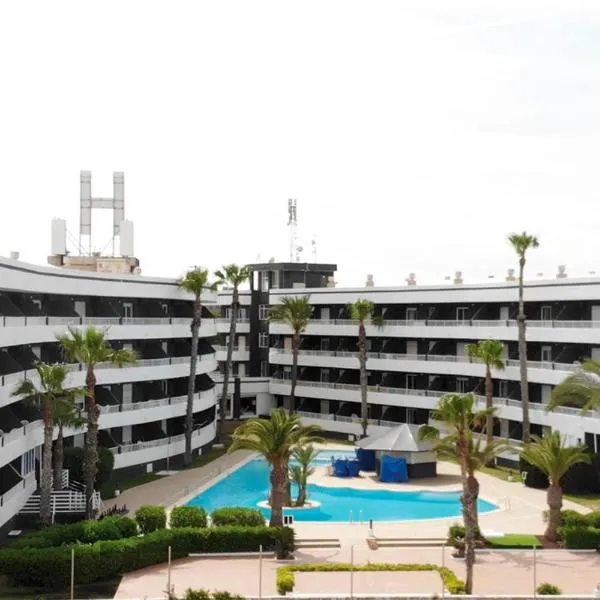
(188,516)
(286,579)
(150,518)
(548,589)
(50,567)
(236,515)
(206,595)
(571,518)
(84,532)
(581,538)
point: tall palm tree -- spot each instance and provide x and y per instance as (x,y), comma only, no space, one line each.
(299,473)
(490,353)
(581,389)
(50,393)
(234,276)
(458,442)
(551,456)
(295,312)
(89,347)
(362,311)
(67,415)
(195,281)
(522,242)
(275,439)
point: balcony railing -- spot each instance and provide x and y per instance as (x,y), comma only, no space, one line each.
(77,321)
(13,378)
(166,441)
(570,367)
(498,402)
(228,321)
(171,401)
(462,323)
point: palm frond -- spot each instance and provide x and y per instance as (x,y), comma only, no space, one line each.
(196,281)
(521,242)
(294,311)
(581,389)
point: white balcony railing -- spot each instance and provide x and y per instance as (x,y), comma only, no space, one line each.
(38,321)
(498,402)
(553,366)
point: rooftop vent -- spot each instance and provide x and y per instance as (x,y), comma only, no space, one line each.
(330,281)
(562,272)
(511,275)
(14,256)
(458,278)
(411,279)
(370,282)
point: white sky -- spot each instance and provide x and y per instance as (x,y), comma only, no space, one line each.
(414,134)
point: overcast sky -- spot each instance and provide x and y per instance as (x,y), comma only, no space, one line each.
(414,134)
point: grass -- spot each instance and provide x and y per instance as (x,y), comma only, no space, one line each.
(590,500)
(515,540)
(503,473)
(204,459)
(141,480)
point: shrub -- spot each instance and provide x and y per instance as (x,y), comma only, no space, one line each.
(206,595)
(85,532)
(548,589)
(108,490)
(581,538)
(73,461)
(150,518)
(50,567)
(571,518)
(233,515)
(285,580)
(188,516)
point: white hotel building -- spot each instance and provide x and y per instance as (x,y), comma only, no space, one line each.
(416,357)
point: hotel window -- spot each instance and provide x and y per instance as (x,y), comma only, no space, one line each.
(263,312)
(264,369)
(324,375)
(546,353)
(263,340)
(546,313)
(461,385)
(411,314)
(503,389)
(127,310)
(324,344)
(287,373)
(462,313)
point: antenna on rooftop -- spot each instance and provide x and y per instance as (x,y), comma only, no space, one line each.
(314,248)
(293,225)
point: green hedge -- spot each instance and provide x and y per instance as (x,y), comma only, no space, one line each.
(571,518)
(188,516)
(286,579)
(84,532)
(580,538)
(150,518)
(206,595)
(548,589)
(50,567)
(234,515)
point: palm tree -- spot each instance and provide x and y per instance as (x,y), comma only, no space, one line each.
(581,389)
(522,242)
(362,311)
(457,413)
(490,353)
(299,474)
(234,276)
(296,313)
(195,282)
(50,393)
(275,439)
(89,347)
(551,456)
(67,415)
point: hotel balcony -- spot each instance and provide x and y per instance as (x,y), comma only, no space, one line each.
(243,326)
(239,354)
(106,373)
(12,501)
(16,331)
(538,372)
(581,332)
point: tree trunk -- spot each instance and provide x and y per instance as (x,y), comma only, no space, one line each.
(189,413)
(90,451)
(46,470)
(287,496)
(235,307)
(295,350)
(59,459)
(469,502)
(489,404)
(362,359)
(523,356)
(301,499)
(279,478)
(554,498)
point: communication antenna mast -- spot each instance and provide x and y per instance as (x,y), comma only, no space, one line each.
(314,248)
(293,225)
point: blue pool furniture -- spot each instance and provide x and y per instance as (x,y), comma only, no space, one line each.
(341,467)
(366,459)
(393,469)
(353,468)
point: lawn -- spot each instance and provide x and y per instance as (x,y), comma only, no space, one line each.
(145,478)
(204,459)
(590,500)
(500,472)
(515,540)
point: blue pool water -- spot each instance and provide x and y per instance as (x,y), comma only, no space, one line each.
(249,485)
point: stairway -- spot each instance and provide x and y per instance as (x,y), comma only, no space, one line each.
(67,501)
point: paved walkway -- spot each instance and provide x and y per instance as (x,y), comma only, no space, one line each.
(178,488)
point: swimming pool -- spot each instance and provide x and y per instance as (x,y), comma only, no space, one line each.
(249,485)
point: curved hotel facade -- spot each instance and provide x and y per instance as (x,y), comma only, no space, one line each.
(142,406)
